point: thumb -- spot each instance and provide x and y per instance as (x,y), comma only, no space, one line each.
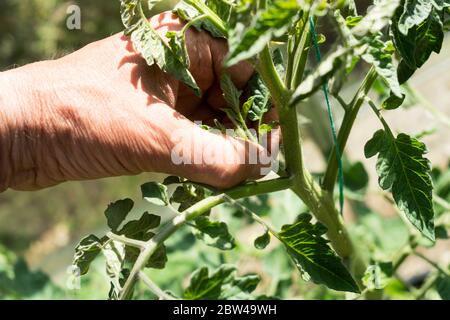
(211,157)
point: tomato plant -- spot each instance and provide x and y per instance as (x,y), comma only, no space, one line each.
(388,43)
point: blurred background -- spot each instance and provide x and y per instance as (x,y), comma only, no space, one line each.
(39,230)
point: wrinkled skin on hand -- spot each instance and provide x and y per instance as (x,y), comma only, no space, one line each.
(102,111)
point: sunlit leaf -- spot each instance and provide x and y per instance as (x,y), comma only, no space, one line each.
(319,76)
(418,43)
(114,253)
(270,22)
(117,212)
(377,18)
(155,193)
(311,253)
(381,59)
(85,252)
(402,168)
(190,10)
(140,230)
(415,12)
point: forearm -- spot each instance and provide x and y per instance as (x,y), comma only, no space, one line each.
(6,131)
(59,123)
(19,131)
(11,115)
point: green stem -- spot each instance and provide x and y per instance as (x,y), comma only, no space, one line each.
(301,54)
(153,287)
(320,203)
(404,253)
(380,117)
(192,22)
(441,201)
(193,212)
(252,215)
(211,15)
(330,176)
(291,49)
(272,79)
(431,280)
(239,130)
(244,126)
(341,101)
(127,241)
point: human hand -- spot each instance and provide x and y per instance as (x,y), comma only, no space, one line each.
(102,112)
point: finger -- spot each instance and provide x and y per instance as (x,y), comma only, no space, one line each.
(204,114)
(196,44)
(240,73)
(209,157)
(273,139)
(187,102)
(215,98)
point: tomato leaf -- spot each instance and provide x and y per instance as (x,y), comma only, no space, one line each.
(155,193)
(230,93)
(313,256)
(85,252)
(419,42)
(129,14)
(443,286)
(190,10)
(319,76)
(117,212)
(272,22)
(393,102)
(262,241)
(214,233)
(153,48)
(170,180)
(221,284)
(415,12)
(140,230)
(377,18)
(136,229)
(188,194)
(177,43)
(222,8)
(356,176)
(441,232)
(381,59)
(440,4)
(402,168)
(261,98)
(114,253)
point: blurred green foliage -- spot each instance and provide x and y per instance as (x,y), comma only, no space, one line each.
(34,29)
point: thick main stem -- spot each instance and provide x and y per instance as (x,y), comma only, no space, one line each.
(319,202)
